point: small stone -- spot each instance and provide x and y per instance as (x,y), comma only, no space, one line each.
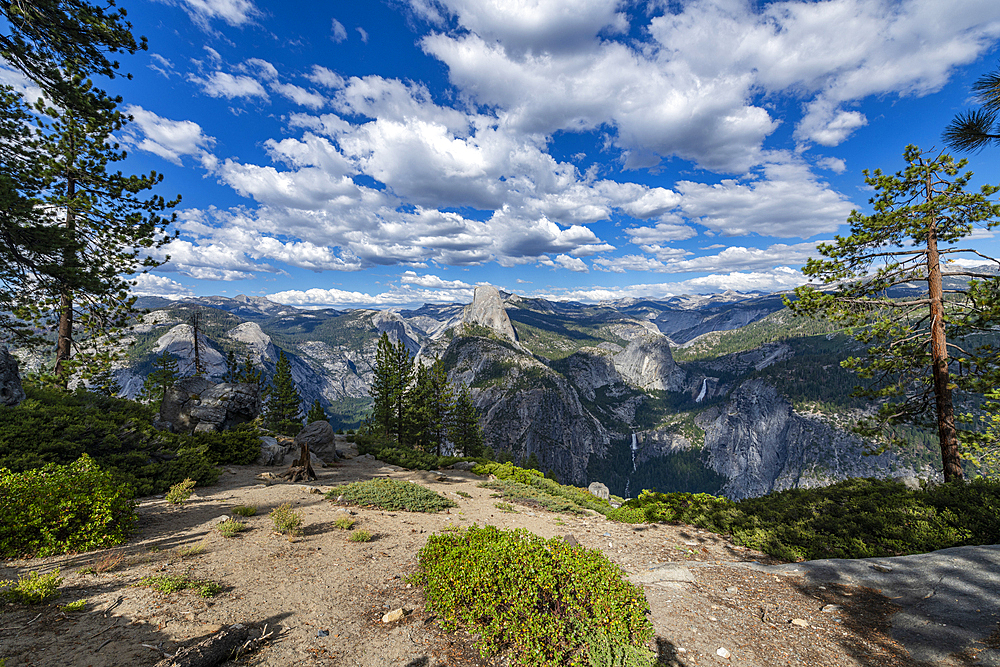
(712,618)
(681,649)
(799,622)
(571,540)
(722,653)
(394,615)
(830,608)
(691,544)
(220,519)
(881,568)
(322,633)
(732,590)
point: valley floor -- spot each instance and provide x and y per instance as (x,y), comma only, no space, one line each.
(327,596)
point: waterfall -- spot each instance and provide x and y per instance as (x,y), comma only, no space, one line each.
(628,482)
(704,388)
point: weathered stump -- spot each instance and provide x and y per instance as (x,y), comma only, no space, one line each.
(301,469)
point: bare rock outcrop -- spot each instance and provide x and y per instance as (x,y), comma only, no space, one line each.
(648,364)
(11,391)
(319,437)
(487,310)
(195,405)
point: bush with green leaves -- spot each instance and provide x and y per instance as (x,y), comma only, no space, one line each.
(392,495)
(34,588)
(405,457)
(245,510)
(168,584)
(547,603)
(856,518)
(580,498)
(180,492)
(360,536)
(286,520)
(231,527)
(51,426)
(57,509)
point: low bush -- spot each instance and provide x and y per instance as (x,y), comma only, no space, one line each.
(533,497)
(32,589)
(548,603)
(580,498)
(286,520)
(392,495)
(856,518)
(404,457)
(231,528)
(344,523)
(360,536)
(57,509)
(167,584)
(245,510)
(180,492)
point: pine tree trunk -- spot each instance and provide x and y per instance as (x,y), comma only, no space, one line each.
(64,341)
(947,435)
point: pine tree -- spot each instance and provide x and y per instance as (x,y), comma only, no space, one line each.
(316,413)
(283,411)
(393,375)
(232,374)
(250,373)
(465,432)
(919,214)
(164,376)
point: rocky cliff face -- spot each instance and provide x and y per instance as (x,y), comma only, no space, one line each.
(487,310)
(761,445)
(648,364)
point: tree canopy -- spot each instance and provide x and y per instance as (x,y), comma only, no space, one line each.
(977,128)
(918,346)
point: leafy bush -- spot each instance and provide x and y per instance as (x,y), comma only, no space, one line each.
(286,520)
(533,497)
(56,509)
(344,523)
(171,584)
(391,494)
(245,510)
(57,427)
(856,518)
(360,536)
(180,492)
(33,589)
(404,457)
(231,528)
(535,479)
(544,600)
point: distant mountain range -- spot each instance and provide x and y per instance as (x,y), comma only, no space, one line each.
(724,394)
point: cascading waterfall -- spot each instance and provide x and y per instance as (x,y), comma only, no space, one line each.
(704,388)
(628,482)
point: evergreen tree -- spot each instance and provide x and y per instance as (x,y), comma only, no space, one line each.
(283,411)
(429,405)
(104,383)
(164,376)
(232,368)
(978,128)
(316,413)
(919,213)
(465,432)
(250,373)
(393,375)
(106,226)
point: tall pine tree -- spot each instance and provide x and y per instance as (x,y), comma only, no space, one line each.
(465,432)
(429,405)
(283,411)
(393,375)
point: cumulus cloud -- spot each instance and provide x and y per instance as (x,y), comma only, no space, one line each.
(147,284)
(223,84)
(236,13)
(170,139)
(435,282)
(299,95)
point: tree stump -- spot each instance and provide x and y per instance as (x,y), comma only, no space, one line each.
(301,469)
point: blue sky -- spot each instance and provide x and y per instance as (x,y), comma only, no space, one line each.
(394,153)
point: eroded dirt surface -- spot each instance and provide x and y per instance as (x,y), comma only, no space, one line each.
(326,596)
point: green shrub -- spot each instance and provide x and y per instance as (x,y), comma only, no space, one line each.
(404,457)
(855,518)
(577,497)
(171,584)
(231,528)
(391,494)
(180,492)
(239,446)
(34,588)
(286,520)
(244,510)
(344,523)
(533,497)
(505,507)
(76,605)
(360,536)
(56,509)
(545,601)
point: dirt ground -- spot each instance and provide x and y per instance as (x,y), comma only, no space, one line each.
(325,597)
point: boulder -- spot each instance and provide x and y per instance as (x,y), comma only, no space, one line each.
(271,453)
(197,405)
(598,490)
(11,392)
(319,436)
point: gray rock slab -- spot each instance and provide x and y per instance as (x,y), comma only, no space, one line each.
(668,572)
(950,598)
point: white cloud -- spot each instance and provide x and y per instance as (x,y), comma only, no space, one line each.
(735,258)
(338,32)
(572,263)
(834,164)
(363,33)
(661,232)
(170,139)
(299,95)
(234,12)
(827,125)
(435,282)
(323,76)
(787,201)
(147,284)
(223,84)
